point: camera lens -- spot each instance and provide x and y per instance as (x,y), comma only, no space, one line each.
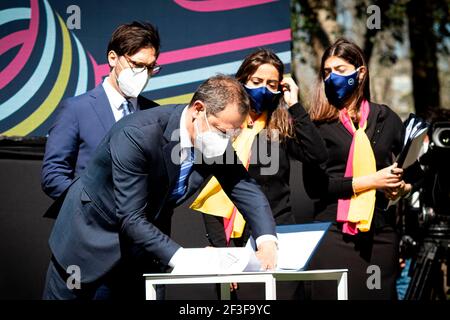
(444,137)
(441,135)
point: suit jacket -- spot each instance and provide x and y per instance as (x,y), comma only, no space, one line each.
(81,124)
(120,205)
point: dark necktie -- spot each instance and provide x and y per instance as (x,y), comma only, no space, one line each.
(185,170)
(127,108)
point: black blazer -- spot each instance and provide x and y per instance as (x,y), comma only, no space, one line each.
(123,196)
(306,146)
(327,182)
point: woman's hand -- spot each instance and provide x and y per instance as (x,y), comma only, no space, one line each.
(395,193)
(290,91)
(389,177)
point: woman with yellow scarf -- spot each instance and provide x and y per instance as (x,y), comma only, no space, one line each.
(277,129)
(353,187)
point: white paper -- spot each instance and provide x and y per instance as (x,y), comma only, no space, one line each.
(212,260)
(294,251)
(296,248)
(414,150)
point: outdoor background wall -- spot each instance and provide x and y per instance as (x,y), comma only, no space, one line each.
(52,49)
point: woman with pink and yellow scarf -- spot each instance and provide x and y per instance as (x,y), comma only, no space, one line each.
(354,186)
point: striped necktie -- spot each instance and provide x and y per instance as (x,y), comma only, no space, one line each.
(185,170)
(127,108)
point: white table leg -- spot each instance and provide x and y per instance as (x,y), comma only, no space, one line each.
(342,293)
(224,291)
(150,291)
(271,288)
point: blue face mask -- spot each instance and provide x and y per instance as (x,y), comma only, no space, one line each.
(338,88)
(263,99)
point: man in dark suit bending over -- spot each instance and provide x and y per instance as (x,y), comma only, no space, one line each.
(114,221)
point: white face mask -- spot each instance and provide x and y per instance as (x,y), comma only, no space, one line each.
(132,83)
(210,143)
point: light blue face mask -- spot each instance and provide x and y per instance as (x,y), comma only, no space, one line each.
(338,88)
(263,99)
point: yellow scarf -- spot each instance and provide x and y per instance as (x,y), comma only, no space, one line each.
(212,199)
(356,213)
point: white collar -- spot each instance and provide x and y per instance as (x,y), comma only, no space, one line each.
(185,139)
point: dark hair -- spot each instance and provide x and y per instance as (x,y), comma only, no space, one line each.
(254,60)
(279,119)
(321,109)
(219,91)
(127,39)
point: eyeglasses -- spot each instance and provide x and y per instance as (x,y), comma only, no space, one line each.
(138,67)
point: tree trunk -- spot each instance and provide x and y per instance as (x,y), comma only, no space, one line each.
(370,36)
(423,56)
(323,25)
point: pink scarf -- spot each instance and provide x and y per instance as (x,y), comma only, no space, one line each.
(350,227)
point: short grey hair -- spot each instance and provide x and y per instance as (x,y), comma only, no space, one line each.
(219,91)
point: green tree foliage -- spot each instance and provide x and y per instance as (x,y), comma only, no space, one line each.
(423,25)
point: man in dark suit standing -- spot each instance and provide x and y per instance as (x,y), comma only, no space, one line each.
(84,120)
(112,225)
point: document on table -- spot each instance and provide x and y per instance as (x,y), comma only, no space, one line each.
(296,245)
(296,248)
(215,260)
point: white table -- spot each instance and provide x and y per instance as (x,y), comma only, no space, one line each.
(269,278)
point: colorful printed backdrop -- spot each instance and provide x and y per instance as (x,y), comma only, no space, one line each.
(51,49)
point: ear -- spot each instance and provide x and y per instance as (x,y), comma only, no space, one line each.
(112,58)
(362,73)
(198,106)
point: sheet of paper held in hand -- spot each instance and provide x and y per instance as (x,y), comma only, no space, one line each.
(295,250)
(412,153)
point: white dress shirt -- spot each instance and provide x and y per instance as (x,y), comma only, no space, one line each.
(116,99)
(185,139)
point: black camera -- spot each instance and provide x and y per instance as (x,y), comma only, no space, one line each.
(440,134)
(436,161)
(426,237)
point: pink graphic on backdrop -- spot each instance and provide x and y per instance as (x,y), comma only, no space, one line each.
(25,37)
(100,70)
(219,5)
(12,40)
(206,50)
(221,47)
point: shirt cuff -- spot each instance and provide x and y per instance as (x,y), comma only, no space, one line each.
(266,237)
(175,258)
